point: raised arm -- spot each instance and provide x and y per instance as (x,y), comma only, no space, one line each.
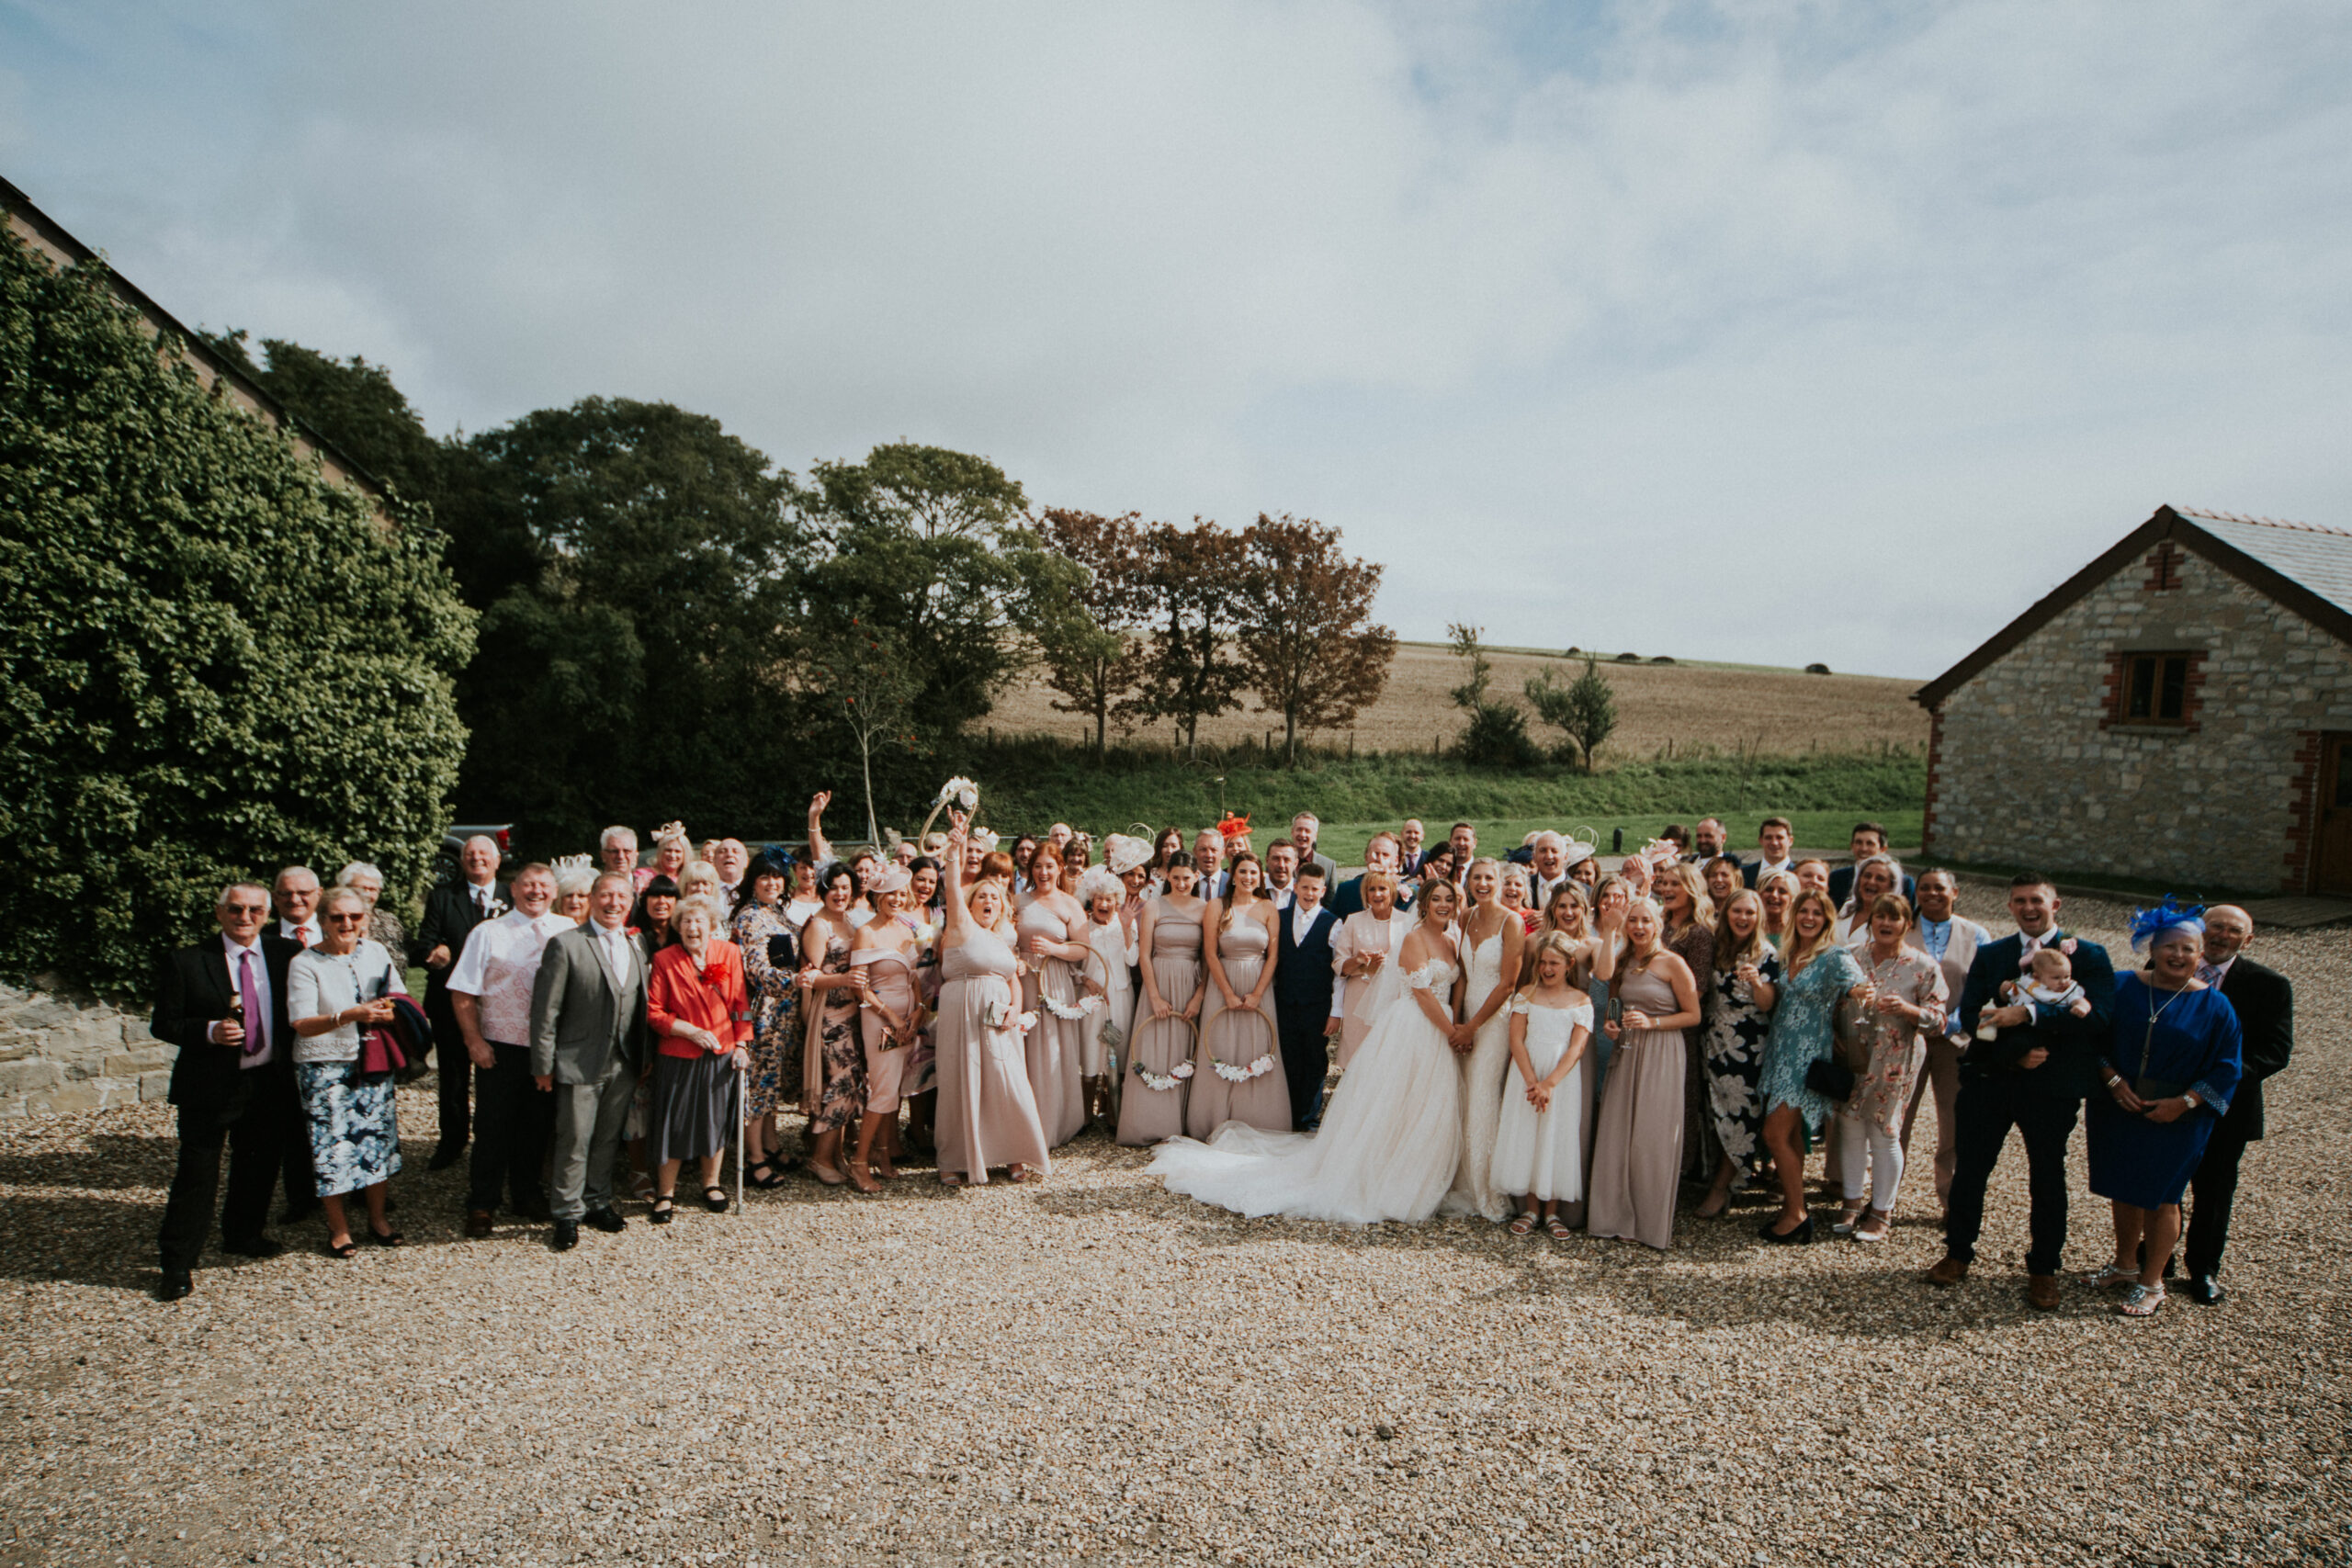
(819,849)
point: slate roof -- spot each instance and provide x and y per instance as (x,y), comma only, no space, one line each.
(2307,569)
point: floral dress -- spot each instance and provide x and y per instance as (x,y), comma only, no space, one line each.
(1898,1046)
(840,1098)
(775,1014)
(1804,1032)
(1735,1054)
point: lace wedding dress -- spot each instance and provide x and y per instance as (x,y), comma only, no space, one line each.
(1390,1138)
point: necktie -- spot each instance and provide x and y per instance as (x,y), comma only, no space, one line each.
(2208,973)
(249,997)
(302,934)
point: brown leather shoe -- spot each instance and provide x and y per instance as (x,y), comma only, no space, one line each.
(2042,1290)
(1947,1272)
(477,1222)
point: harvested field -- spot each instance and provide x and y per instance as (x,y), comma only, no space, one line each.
(1090,1368)
(1687,706)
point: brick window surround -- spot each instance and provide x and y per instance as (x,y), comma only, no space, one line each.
(2153,690)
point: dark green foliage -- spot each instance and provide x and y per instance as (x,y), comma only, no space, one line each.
(1497,736)
(212,662)
(644,671)
(1585,709)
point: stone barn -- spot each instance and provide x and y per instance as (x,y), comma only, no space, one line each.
(2179,711)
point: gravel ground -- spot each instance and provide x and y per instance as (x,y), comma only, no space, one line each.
(1091,1369)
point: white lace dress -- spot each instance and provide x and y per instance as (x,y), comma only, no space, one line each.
(1483,1071)
(1390,1138)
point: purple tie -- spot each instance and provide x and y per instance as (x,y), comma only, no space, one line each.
(249,996)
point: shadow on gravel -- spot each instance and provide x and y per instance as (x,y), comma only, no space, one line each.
(113,1160)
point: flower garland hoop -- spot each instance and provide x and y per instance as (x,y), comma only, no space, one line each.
(1262,1065)
(1181,1070)
(957,791)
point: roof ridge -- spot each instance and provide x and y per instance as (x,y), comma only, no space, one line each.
(2220,516)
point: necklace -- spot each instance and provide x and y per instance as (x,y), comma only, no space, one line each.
(2155,1011)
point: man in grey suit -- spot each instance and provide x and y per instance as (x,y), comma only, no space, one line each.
(588,1048)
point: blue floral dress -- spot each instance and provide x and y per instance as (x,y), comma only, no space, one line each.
(770,971)
(1734,1057)
(1804,1032)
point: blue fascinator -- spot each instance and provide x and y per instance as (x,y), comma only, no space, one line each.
(2149,924)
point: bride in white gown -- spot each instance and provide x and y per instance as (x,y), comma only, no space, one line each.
(1392,1131)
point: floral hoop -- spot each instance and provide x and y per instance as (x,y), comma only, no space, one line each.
(957,791)
(1182,1069)
(1258,1068)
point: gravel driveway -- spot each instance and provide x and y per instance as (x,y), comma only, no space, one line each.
(1090,1368)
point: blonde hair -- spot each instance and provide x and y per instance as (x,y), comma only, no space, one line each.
(1693,882)
(1798,951)
(1552,941)
(698,871)
(1730,952)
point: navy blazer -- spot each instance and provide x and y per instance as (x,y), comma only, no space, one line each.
(2265,1000)
(193,991)
(2074,1043)
(1303,976)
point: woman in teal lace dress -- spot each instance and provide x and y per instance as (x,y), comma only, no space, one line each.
(1820,974)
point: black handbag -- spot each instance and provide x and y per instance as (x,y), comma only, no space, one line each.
(1831,1079)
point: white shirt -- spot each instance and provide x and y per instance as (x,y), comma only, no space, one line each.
(614,946)
(268,1052)
(309,932)
(483,894)
(1304,927)
(1765,868)
(1283,897)
(500,960)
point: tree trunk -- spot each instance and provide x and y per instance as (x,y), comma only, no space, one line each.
(865,768)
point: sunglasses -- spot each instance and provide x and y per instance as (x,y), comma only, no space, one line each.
(346,919)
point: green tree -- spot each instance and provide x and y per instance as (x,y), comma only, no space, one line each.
(646,671)
(1092,649)
(1496,733)
(212,662)
(1192,669)
(868,686)
(933,544)
(1585,710)
(1309,647)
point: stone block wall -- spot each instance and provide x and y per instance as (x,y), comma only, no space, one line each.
(62,1053)
(2032,763)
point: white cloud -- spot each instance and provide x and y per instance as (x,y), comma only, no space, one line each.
(1730,333)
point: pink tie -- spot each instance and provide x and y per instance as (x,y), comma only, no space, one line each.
(249,996)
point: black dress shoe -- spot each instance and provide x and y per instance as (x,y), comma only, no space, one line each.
(608,1220)
(444,1157)
(254,1246)
(177,1284)
(532,1209)
(567,1236)
(296,1212)
(2205,1290)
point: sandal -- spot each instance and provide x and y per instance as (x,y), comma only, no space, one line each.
(2142,1300)
(1849,1216)
(714,1198)
(347,1251)
(663,1207)
(828,1175)
(952,1179)
(385,1238)
(2106,1276)
(1883,1220)
(1557,1228)
(774,1177)
(1524,1223)
(1720,1202)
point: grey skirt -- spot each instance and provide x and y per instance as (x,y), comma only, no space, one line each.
(694,1099)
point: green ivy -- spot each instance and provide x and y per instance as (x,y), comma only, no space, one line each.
(212,661)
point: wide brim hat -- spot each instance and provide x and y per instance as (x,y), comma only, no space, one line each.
(1123,854)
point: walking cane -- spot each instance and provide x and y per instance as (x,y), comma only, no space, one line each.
(741,1106)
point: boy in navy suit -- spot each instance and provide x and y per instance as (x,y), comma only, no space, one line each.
(1302,996)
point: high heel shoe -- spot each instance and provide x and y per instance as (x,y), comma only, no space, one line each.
(1801,1236)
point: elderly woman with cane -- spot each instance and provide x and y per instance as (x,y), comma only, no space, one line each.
(700,1012)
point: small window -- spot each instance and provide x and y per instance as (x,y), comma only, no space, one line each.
(2155,688)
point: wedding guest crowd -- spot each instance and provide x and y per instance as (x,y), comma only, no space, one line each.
(1680,1017)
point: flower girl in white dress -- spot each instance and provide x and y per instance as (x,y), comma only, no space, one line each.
(1539,1149)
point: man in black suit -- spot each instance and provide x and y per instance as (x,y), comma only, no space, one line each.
(222,1002)
(1303,1018)
(1775,840)
(2032,1078)
(2265,1000)
(1409,851)
(451,912)
(589,1046)
(1867,840)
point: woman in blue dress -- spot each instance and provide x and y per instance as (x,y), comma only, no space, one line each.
(2171,1066)
(1820,975)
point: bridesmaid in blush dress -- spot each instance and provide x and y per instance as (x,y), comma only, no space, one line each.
(1637,1148)
(1237,1029)
(1364,944)
(1151,1103)
(986,1116)
(1053,940)
(1492,936)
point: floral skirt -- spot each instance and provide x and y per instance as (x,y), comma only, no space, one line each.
(355,1125)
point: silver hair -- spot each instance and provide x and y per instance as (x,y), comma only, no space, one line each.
(571,882)
(285,871)
(341,893)
(1097,881)
(357,868)
(222,901)
(705,904)
(605,839)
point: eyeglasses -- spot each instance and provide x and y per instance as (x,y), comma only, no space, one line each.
(346,919)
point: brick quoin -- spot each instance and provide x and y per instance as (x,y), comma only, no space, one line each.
(1935,763)
(2164,568)
(2192,695)
(2111,705)
(2302,868)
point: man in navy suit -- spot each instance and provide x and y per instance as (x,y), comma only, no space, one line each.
(222,1002)
(2032,1078)
(1868,839)
(1303,1019)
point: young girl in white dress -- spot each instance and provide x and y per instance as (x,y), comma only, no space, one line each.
(1539,1149)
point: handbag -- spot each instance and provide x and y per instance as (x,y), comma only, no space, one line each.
(381,1051)
(1830,1079)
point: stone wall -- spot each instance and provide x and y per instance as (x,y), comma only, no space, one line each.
(60,1053)
(2032,768)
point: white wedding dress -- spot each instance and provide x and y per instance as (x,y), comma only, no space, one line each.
(1390,1140)
(1483,1072)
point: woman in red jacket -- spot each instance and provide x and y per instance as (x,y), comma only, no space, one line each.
(700,1010)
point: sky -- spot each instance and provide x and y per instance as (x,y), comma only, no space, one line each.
(1768,332)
